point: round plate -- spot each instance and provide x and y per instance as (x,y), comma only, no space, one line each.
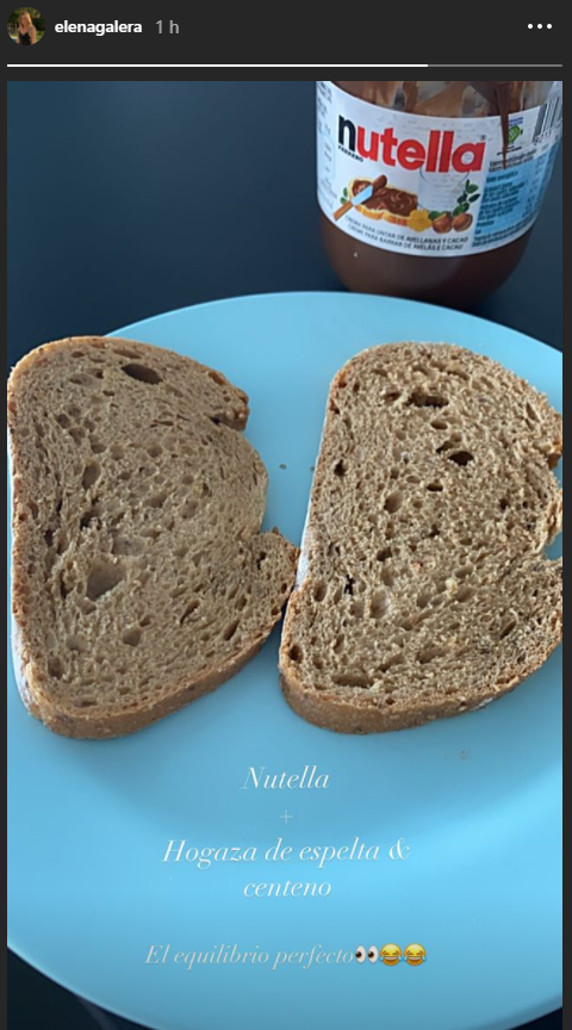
(476,799)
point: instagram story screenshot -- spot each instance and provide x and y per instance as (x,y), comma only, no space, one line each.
(284,564)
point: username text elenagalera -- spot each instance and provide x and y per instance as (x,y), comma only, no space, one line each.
(98,28)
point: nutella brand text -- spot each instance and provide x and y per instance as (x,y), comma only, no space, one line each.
(442,154)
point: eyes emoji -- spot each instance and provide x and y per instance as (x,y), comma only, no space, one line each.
(361,954)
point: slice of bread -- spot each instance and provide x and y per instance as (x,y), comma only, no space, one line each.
(140,578)
(422,587)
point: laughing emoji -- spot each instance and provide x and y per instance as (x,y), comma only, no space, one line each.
(390,954)
(414,954)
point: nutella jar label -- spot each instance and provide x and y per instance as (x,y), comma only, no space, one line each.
(431,186)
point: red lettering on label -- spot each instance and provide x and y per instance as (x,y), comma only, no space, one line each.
(440,155)
(388,142)
(469,157)
(411,154)
(433,150)
(446,148)
(372,151)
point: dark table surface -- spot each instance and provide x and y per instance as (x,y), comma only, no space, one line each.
(127,199)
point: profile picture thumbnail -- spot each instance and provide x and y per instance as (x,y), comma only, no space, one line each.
(26,26)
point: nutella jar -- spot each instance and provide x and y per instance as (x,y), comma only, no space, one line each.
(430,189)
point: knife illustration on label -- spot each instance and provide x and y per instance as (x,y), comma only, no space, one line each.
(361,197)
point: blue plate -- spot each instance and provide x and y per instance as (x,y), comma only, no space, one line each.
(476,799)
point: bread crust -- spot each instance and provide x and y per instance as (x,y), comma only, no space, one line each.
(332,713)
(72,723)
(30,360)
